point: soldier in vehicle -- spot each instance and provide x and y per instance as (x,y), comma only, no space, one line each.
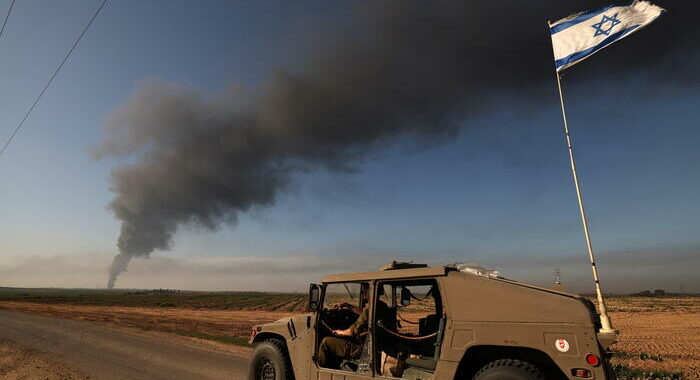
(485,311)
(347,343)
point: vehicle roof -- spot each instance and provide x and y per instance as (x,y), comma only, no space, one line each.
(387,274)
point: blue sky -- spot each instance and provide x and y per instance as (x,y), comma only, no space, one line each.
(500,193)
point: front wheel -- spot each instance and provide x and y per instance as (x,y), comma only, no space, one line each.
(270,362)
(509,369)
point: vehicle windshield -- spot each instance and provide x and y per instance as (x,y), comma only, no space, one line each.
(342,293)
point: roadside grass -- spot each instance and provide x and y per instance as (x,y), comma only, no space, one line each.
(642,355)
(623,372)
(238,341)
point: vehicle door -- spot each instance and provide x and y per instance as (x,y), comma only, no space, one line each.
(341,306)
(409,323)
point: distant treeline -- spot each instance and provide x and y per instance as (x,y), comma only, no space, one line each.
(660,293)
(647,293)
(263,301)
(154,291)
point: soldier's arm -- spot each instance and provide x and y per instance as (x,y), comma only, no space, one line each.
(358,327)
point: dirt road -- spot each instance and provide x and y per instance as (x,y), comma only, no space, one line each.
(103,352)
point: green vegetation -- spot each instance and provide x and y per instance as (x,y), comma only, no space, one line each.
(642,355)
(623,372)
(158,298)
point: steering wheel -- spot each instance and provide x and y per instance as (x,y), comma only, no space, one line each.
(340,318)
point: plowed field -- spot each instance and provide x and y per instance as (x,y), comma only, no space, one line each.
(666,328)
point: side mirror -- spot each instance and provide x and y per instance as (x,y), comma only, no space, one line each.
(405,296)
(314,297)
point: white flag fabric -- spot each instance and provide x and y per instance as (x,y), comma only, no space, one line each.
(581,35)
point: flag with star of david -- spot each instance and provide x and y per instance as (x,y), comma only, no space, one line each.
(581,35)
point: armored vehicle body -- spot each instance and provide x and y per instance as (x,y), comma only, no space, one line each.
(417,322)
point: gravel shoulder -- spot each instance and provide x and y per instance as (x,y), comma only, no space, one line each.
(17,362)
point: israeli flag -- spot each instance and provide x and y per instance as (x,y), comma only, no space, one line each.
(580,35)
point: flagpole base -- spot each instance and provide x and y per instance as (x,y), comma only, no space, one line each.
(606,326)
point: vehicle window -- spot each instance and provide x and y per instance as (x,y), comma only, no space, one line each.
(412,320)
(386,295)
(422,305)
(347,292)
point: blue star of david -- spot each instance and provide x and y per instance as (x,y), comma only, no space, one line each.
(613,21)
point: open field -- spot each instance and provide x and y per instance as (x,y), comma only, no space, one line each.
(222,316)
(159,298)
(656,333)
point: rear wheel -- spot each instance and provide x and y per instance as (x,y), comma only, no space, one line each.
(509,369)
(270,362)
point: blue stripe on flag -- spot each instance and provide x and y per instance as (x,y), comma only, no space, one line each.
(583,53)
(580,18)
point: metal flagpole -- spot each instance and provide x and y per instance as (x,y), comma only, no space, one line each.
(606,327)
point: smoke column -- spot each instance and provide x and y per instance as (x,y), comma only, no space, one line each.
(399,69)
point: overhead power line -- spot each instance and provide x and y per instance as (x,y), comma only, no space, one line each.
(7,16)
(36,101)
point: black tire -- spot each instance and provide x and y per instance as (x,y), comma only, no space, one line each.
(509,369)
(270,362)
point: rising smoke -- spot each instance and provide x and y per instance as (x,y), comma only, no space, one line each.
(398,69)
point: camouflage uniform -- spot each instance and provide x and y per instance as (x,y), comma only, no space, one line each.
(333,349)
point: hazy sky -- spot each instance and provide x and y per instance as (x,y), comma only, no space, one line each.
(500,193)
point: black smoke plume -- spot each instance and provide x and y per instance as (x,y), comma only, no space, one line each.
(397,69)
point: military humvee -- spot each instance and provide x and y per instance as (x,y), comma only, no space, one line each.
(447,322)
